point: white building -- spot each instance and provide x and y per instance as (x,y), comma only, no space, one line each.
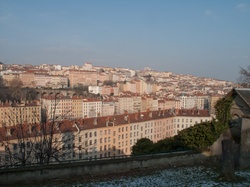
(186,118)
(91,108)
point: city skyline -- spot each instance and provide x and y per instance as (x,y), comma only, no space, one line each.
(202,38)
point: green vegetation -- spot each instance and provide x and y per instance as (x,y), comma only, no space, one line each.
(197,137)
(222,108)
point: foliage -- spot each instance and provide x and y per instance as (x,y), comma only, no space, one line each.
(142,146)
(223,107)
(197,137)
(166,145)
(200,136)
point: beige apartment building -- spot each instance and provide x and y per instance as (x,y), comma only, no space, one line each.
(57,106)
(86,78)
(149,103)
(170,103)
(12,113)
(105,137)
(9,77)
(77,106)
(108,108)
(53,81)
(28,79)
(125,103)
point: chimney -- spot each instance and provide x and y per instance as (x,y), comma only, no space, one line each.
(95,121)
(177,111)
(107,121)
(136,116)
(159,112)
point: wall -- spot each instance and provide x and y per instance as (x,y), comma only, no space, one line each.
(241,143)
(245,144)
(67,170)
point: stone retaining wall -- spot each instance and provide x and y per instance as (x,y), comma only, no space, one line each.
(67,170)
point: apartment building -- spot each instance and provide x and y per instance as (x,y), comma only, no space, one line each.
(136,103)
(77,106)
(53,81)
(28,79)
(189,102)
(12,113)
(128,86)
(8,77)
(95,89)
(186,118)
(104,137)
(170,103)
(91,108)
(84,77)
(125,103)
(57,106)
(108,108)
(149,103)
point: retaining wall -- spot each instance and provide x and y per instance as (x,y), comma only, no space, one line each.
(29,175)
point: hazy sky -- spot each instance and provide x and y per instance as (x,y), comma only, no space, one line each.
(209,38)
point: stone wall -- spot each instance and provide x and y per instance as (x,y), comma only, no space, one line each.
(29,175)
(245,144)
(241,148)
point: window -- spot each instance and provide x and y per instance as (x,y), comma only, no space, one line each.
(7,158)
(15,146)
(69,146)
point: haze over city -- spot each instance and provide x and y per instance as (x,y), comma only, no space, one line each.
(202,38)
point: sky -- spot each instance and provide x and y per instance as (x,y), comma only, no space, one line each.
(206,38)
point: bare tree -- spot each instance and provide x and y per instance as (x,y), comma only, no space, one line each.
(15,86)
(244,79)
(17,141)
(32,142)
